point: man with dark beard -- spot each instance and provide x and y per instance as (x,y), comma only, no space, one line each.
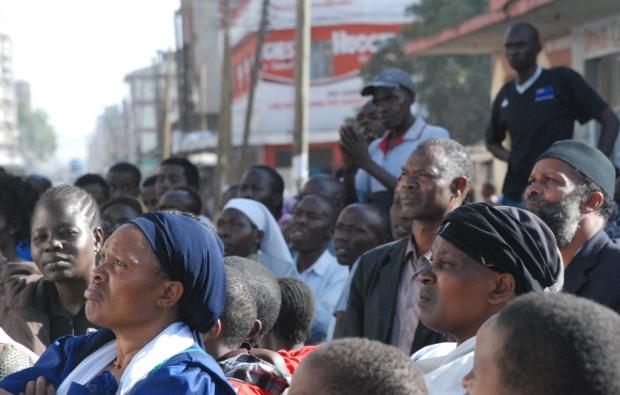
(571,189)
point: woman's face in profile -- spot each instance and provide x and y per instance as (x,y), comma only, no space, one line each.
(127,286)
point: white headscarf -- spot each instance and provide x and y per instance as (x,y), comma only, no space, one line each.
(275,254)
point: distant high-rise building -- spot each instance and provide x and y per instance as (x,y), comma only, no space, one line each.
(145,109)
(9,153)
(110,143)
(199,49)
(22,94)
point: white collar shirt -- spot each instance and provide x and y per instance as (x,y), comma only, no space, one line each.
(326,278)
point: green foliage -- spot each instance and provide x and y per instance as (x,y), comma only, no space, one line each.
(454,89)
(37,138)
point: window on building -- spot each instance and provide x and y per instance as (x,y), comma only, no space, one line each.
(321,59)
(283,158)
(604,75)
(321,161)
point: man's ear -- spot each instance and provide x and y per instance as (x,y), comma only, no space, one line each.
(252,337)
(214,332)
(458,186)
(98,234)
(172,292)
(503,289)
(593,202)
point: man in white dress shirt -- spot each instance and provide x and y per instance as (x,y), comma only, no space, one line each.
(312,227)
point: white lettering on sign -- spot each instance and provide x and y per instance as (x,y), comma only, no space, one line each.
(279,50)
(350,44)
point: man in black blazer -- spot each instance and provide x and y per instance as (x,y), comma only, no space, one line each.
(571,188)
(383,299)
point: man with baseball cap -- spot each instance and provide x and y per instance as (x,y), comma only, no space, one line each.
(371,171)
(571,188)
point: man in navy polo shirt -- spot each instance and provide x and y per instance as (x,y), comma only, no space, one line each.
(539,108)
(376,167)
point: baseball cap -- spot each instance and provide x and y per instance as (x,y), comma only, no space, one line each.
(390,78)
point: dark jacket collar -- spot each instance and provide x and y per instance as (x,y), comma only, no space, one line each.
(587,258)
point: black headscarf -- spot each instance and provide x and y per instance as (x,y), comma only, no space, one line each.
(506,240)
(192,254)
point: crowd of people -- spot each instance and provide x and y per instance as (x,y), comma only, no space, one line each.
(390,276)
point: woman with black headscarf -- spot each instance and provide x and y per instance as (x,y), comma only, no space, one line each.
(160,282)
(482,258)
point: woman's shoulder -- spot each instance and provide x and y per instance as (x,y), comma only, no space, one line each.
(60,358)
(189,372)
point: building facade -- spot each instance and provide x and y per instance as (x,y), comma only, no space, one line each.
(582,35)
(199,56)
(344,36)
(10,157)
(111,141)
(145,110)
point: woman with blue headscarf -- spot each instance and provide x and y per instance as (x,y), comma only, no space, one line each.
(160,282)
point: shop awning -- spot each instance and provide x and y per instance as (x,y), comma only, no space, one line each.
(485,33)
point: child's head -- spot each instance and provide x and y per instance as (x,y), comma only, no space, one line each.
(65,233)
(548,344)
(124,179)
(182,199)
(148,193)
(95,185)
(293,326)
(238,318)
(265,290)
(356,366)
(117,212)
(17,200)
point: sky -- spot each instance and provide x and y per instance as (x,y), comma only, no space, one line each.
(75,54)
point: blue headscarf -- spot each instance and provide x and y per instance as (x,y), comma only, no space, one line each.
(191,253)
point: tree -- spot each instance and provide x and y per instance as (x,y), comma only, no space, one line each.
(37,139)
(454,89)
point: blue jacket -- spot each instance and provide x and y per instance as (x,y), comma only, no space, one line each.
(192,371)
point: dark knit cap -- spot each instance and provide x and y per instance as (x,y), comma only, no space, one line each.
(588,160)
(296,311)
(506,240)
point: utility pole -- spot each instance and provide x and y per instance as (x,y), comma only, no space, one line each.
(223,141)
(302,91)
(258,58)
(167,127)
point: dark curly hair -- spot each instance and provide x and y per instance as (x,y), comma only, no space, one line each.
(296,312)
(558,344)
(189,170)
(239,311)
(265,290)
(363,367)
(129,201)
(17,201)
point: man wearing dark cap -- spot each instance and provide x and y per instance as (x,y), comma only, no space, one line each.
(571,189)
(371,171)
(539,108)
